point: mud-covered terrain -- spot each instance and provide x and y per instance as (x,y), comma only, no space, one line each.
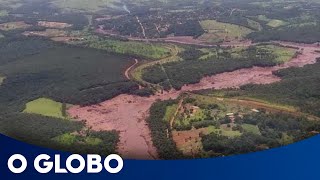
(90,77)
(127,113)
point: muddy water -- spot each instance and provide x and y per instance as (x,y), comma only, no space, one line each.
(127,113)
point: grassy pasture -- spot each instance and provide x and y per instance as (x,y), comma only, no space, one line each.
(276,23)
(251,128)
(282,54)
(45,107)
(218,31)
(139,49)
(170,111)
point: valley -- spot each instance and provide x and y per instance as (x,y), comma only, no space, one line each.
(154,79)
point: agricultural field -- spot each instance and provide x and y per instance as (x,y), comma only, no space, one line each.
(272,22)
(282,54)
(46,107)
(217,32)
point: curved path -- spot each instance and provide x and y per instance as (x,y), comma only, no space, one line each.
(127,113)
(127,72)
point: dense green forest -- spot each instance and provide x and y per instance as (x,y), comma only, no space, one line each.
(160,129)
(304,34)
(300,87)
(36,68)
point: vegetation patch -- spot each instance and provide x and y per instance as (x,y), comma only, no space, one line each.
(14,25)
(221,32)
(227,127)
(47,107)
(213,61)
(251,128)
(139,49)
(83,5)
(276,23)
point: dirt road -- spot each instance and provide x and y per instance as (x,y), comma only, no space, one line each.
(127,113)
(126,73)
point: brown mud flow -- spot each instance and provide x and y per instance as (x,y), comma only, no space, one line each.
(127,113)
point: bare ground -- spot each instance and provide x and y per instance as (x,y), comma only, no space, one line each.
(127,113)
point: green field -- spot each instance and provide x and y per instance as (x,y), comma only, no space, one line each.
(170,111)
(283,54)
(45,107)
(223,132)
(276,23)
(251,128)
(138,49)
(218,31)
(72,139)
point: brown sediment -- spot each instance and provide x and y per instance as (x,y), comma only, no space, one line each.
(128,113)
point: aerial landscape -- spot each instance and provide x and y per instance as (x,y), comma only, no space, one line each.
(160,79)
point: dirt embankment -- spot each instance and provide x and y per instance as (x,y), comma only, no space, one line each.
(127,113)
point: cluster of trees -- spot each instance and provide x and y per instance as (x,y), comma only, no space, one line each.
(104,143)
(276,130)
(191,71)
(298,33)
(191,53)
(189,28)
(300,87)
(44,11)
(14,48)
(134,49)
(35,129)
(35,68)
(42,131)
(160,131)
